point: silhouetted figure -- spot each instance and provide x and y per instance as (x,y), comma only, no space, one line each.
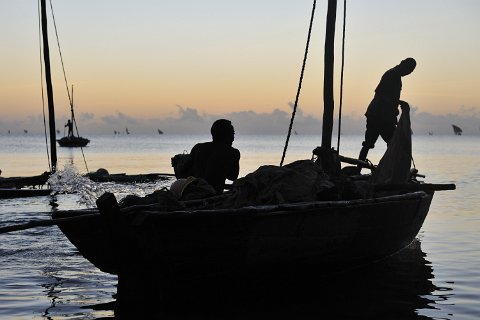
(69,125)
(382,112)
(213,161)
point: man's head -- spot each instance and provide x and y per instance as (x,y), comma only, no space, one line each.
(222,131)
(407,66)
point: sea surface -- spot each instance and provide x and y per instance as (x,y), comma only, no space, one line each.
(438,277)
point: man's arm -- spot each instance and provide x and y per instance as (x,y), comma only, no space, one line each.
(184,169)
(235,169)
(404,105)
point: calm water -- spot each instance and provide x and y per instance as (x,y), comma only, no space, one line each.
(438,277)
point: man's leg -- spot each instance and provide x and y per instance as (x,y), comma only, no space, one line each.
(387,132)
(371,136)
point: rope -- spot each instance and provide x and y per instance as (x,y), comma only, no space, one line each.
(341,76)
(299,84)
(70,97)
(60,52)
(78,134)
(41,85)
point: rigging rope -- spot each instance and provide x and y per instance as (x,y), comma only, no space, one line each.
(299,84)
(60,52)
(41,84)
(341,76)
(70,97)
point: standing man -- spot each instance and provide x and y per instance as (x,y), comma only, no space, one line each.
(213,161)
(69,125)
(382,112)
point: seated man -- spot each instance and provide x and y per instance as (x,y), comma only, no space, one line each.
(213,161)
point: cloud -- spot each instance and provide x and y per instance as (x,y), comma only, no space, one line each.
(87,116)
(190,120)
(119,118)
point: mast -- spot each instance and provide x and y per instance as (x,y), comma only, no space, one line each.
(48,81)
(328,104)
(71,108)
(327,157)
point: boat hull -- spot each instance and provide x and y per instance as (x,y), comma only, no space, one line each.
(6,193)
(202,244)
(73,142)
(20,182)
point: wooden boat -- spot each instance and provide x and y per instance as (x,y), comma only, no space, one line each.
(150,247)
(20,182)
(198,243)
(6,193)
(71,140)
(100,176)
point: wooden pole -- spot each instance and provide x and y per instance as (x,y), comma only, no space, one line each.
(48,81)
(47,222)
(328,76)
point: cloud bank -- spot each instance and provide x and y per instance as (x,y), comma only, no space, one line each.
(189,120)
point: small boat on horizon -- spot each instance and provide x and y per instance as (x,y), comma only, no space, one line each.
(457,130)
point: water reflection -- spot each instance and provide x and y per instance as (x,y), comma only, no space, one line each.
(53,294)
(397,288)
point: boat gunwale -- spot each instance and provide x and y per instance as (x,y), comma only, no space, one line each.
(261,210)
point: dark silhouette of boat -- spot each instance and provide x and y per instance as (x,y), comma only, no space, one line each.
(21,187)
(73,141)
(102,175)
(70,140)
(20,182)
(457,130)
(6,193)
(151,246)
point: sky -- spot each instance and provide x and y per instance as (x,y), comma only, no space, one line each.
(180,64)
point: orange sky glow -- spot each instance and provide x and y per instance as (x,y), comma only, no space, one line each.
(146,57)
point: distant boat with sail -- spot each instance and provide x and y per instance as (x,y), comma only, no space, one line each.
(71,140)
(457,130)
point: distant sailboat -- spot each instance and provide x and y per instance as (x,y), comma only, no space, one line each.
(160,131)
(457,130)
(71,140)
(126,131)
